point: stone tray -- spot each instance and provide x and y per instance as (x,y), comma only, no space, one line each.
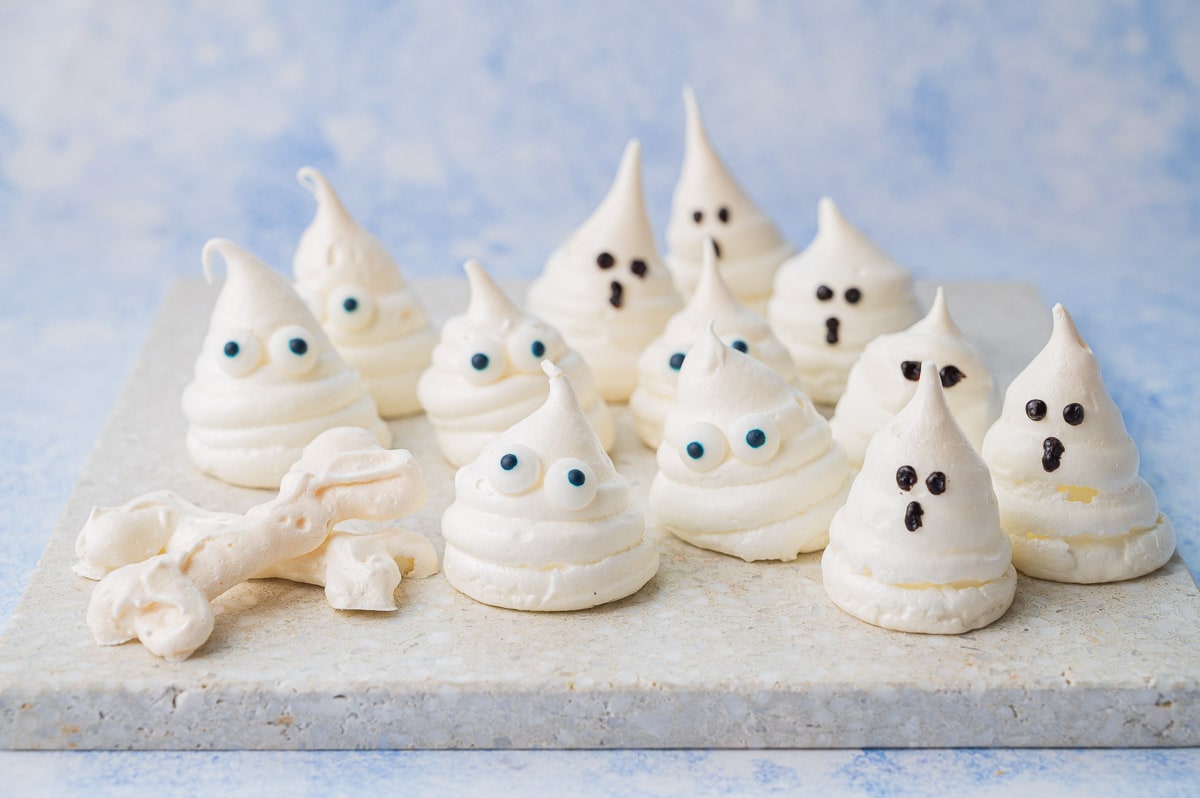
(714,652)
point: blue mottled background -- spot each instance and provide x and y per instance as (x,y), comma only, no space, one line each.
(1057,142)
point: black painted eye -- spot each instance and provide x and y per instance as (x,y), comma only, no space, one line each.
(676,361)
(537,349)
(697,216)
(639,267)
(605,261)
(231,349)
(853,295)
(824,293)
(740,346)
(906,477)
(723,215)
(911,369)
(1073,414)
(951,376)
(350,304)
(936,482)
(480,361)
(1035,409)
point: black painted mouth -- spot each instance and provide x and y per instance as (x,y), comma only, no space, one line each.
(1052,452)
(616,296)
(912,516)
(831,330)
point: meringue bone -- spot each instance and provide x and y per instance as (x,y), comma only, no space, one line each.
(883,380)
(833,298)
(658,367)
(605,288)
(747,466)
(542,521)
(486,373)
(355,289)
(709,203)
(267,380)
(918,546)
(1066,472)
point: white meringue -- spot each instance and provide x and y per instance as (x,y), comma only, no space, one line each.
(267,380)
(487,375)
(1066,472)
(833,298)
(918,546)
(712,303)
(747,466)
(606,288)
(884,379)
(709,203)
(542,520)
(356,290)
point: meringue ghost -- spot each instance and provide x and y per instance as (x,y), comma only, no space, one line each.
(605,288)
(747,467)
(918,546)
(833,298)
(267,380)
(486,373)
(709,203)
(542,520)
(884,379)
(1066,472)
(356,291)
(658,367)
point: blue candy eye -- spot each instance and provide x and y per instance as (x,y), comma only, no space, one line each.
(290,349)
(570,484)
(538,349)
(350,307)
(298,346)
(483,360)
(755,438)
(676,361)
(741,346)
(480,361)
(702,446)
(239,354)
(509,461)
(232,349)
(695,450)
(350,304)
(513,468)
(576,477)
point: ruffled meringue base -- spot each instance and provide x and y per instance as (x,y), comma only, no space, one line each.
(1090,559)
(933,609)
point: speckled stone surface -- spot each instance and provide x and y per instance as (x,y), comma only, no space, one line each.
(714,652)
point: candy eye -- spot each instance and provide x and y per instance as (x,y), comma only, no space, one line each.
(605,260)
(702,446)
(350,308)
(571,484)
(906,477)
(676,361)
(697,216)
(1073,414)
(291,349)
(824,293)
(755,438)
(936,482)
(951,376)
(512,468)
(530,345)
(853,295)
(740,345)
(484,361)
(911,369)
(1035,409)
(723,215)
(238,353)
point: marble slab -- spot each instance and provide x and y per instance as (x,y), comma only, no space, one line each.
(714,652)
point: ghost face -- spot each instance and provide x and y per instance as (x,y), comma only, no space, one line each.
(517,350)
(1053,449)
(909,481)
(291,351)
(949,375)
(743,452)
(835,302)
(621,273)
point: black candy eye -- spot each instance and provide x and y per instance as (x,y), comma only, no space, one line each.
(1073,414)
(695,450)
(508,462)
(537,349)
(936,482)
(298,346)
(911,369)
(723,215)
(741,346)
(951,376)
(755,438)
(639,268)
(231,349)
(479,361)
(853,295)
(906,477)
(605,261)
(576,477)
(824,293)
(350,304)
(697,216)
(1035,409)
(676,361)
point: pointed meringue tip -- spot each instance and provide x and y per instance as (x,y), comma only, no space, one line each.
(1065,329)
(487,301)
(929,395)
(712,292)
(694,135)
(708,354)
(939,313)
(828,214)
(474,269)
(630,169)
(562,392)
(222,246)
(552,370)
(689,99)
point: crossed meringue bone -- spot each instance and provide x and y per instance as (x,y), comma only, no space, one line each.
(161,560)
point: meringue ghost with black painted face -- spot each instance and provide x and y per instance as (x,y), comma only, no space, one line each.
(606,288)
(709,204)
(356,291)
(487,375)
(1066,472)
(833,299)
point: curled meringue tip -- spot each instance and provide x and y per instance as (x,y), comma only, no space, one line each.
(329,204)
(313,180)
(1065,331)
(709,353)
(939,314)
(488,303)
(231,253)
(562,399)
(552,370)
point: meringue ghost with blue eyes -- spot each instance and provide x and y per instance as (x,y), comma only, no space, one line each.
(747,466)
(833,299)
(487,375)
(884,379)
(356,291)
(267,380)
(712,303)
(1066,472)
(606,288)
(708,203)
(918,546)
(541,520)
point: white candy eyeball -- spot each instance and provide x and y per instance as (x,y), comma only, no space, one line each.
(512,468)
(238,353)
(530,345)
(350,307)
(571,484)
(483,361)
(755,438)
(291,348)
(701,446)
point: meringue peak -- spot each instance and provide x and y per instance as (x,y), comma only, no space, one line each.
(489,305)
